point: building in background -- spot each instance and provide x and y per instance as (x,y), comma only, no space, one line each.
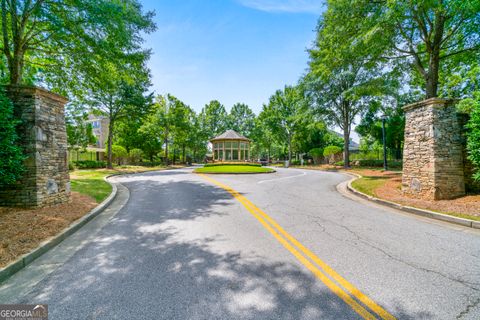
(100,126)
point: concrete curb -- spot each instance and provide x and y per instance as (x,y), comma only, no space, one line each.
(421,212)
(49,244)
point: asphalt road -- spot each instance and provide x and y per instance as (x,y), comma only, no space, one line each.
(184,248)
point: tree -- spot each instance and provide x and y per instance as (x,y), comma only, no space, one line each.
(11,155)
(241,119)
(262,136)
(473,140)
(169,120)
(425,34)
(182,127)
(56,39)
(79,131)
(120,91)
(371,126)
(197,140)
(214,119)
(285,114)
(341,96)
(340,79)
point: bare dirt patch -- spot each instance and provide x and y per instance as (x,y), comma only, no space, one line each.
(22,230)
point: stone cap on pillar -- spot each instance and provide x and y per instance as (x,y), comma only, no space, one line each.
(34,90)
(436,102)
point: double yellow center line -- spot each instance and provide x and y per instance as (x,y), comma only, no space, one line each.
(335,282)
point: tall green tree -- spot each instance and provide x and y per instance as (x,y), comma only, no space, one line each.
(170,122)
(56,40)
(241,119)
(424,35)
(285,114)
(342,96)
(342,79)
(214,119)
(118,92)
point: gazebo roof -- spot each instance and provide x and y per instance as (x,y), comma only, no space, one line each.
(230,135)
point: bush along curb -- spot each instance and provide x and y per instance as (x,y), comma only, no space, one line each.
(49,244)
(421,212)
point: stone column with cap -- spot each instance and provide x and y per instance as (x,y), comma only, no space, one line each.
(433,164)
(44,140)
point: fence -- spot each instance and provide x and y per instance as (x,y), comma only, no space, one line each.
(375,155)
(74,155)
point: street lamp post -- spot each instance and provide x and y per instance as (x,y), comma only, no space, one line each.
(385,164)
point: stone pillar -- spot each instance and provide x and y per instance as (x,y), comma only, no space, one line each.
(433,150)
(44,139)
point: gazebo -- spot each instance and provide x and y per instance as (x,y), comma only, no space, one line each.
(230,146)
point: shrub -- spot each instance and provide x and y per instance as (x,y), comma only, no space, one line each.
(90,164)
(119,153)
(135,155)
(331,150)
(150,163)
(295,163)
(340,163)
(315,152)
(71,167)
(232,164)
(473,140)
(317,155)
(11,155)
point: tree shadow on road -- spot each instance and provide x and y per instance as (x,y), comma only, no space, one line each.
(141,267)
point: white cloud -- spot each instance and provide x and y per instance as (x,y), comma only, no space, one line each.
(293,6)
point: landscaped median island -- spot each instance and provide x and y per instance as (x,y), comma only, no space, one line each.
(233,168)
(22,229)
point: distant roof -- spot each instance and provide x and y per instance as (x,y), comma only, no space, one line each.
(352,145)
(230,135)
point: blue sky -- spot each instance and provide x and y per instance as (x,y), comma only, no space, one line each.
(229,50)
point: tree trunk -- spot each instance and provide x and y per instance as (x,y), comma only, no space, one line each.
(432,77)
(16,68)
(109,144)
(166,149)
(289,149)
(346,145)
(183,153)
(434,59)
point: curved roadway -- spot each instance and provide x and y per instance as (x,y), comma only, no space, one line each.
(184,248)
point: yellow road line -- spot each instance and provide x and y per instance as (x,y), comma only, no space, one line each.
(258,214)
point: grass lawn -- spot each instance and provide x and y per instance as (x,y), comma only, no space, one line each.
(91,182)
(368,185)
(233,169)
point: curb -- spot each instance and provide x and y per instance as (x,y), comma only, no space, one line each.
(421,212)
(49,244)
(236,173)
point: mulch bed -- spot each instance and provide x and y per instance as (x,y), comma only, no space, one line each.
(22,230)
(391,191)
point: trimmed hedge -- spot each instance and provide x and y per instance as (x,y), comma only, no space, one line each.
(233,164)
(90,164)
